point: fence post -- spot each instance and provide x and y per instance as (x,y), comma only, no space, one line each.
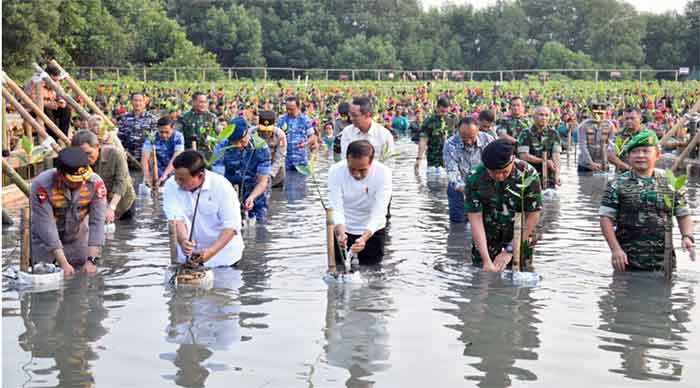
(379,75)
(500,75)
(471,76)
(204,74)
(265,73)
(117,74)
(229,74)
(175,73)
(293,75)
(596,76)
(327,75)
(353,74)
(676,72)
(144,73)
(91,75)
(640,76)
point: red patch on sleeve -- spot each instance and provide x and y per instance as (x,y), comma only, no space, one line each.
(41,194)
(101,190)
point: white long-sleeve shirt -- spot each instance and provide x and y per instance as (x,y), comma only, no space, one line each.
(380,138)
(359,204)
(218,209)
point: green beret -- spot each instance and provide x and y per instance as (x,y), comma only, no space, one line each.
(642,139)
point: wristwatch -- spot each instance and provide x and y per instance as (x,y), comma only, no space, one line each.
(508,247)
(690,237)
(113,207)
(93,259)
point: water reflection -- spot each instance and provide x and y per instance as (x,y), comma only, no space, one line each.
(645,322)
(356,331)
(63,325)
(202,322)
(497,328)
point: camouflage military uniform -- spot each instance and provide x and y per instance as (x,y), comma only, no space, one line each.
(133,131)
(498,205)
(436,130)
(68,219)
(637,207)
(512,126)
(243,166)
(536,143)
(189,125)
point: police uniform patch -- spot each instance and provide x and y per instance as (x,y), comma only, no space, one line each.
(101,190)
(41,194)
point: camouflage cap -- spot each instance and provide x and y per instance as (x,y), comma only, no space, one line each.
(642,139)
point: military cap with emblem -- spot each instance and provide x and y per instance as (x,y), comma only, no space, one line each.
(642,139)
(267,120)
(73,163)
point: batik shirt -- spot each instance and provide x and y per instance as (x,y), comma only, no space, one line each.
(460,159)
(133,130)
(298,130)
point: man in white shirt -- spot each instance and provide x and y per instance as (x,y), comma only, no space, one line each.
(359,189)
(364,128)
(216,240)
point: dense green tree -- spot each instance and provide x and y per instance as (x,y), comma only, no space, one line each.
(555,55)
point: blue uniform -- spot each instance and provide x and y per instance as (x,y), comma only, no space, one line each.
(165,149)
(242,167)
(298,129)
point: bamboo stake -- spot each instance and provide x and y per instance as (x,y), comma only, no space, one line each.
(517,241)
(29,119)
(5,137)
(693,143)
(61,93)
(76,88)
(668,248)
(545,172)
(154,175)
(568,146)
(25,244)
(680,123)
(36,109)
(172,231)
(330,239)
(15,177)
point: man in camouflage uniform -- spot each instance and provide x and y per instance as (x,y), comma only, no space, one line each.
(246,164)
(491,199)
(509,128)
(534,141)
(68,213)
(135,125)
(433,133)
(635,210)
(277,143)
(632,121)
(199,117)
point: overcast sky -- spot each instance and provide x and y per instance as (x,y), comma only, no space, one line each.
(655,6)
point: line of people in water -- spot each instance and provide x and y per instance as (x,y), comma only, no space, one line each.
(494,170)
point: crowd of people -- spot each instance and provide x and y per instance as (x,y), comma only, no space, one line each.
(218,162)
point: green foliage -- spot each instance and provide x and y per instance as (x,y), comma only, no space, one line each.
(33,154)
(676,184)
(555,55)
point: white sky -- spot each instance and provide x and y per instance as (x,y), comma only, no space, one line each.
(654,6)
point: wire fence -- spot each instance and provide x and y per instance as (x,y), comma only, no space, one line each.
(145,73)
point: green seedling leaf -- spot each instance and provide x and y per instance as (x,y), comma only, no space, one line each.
(679,183)
(303,169)
(671,178)
(217,155)
(226,132)
(513,192)
(27,145)
(22,159)
(668,201)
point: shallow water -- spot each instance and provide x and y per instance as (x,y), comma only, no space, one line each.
(427,319)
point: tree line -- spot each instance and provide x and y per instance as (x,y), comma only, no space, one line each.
(396,34)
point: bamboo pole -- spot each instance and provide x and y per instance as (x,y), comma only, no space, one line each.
(29,119)
(61,93)
(5,137)
(172,232)
(77,89)
(693,143)
(668,248)
(517,241)
(545,172)
(25,243)
(15,177)
(39,111)
(679,124)
(330,239)
(568,146)
(154,174)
